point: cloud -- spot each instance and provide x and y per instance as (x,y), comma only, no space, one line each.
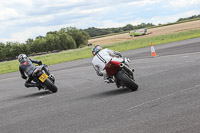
(88,11)
(182,3)
(143,2)
(41,30)
(23,19)
(7,13)
(111,24)
(22,36)
(165,19)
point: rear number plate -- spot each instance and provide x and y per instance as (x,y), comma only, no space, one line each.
(43,77)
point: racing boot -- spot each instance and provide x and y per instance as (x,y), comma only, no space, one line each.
(109,80)
(31,84)
(39,86)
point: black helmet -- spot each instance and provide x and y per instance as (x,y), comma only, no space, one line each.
(22,57)
(96,49)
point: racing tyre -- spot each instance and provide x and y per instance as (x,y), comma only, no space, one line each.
(128,82)
(50,86)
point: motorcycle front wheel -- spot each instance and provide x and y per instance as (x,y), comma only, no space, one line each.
(127,81)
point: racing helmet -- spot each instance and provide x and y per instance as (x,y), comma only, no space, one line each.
(96,49)
(21,57)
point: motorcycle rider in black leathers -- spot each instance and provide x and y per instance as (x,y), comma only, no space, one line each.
(27,67)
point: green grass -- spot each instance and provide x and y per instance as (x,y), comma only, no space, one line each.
(11,66)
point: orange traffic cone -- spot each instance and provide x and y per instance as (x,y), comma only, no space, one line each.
(153,52)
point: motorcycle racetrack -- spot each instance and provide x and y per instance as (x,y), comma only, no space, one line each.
(167,99)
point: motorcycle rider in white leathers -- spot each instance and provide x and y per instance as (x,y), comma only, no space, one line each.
(102,57)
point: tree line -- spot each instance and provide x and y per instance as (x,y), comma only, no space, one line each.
(92,31)
(64,39)
(188,18)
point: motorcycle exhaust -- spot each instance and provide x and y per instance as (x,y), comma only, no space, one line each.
(122,65)
(126,68)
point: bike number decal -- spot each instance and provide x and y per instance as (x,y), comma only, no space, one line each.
(43,77)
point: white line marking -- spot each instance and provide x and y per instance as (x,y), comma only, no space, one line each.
(134,107)
(8,78)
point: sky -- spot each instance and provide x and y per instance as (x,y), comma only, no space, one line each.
(24,19)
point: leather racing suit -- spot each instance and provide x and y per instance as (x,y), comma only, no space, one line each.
(27,67)
(100,60)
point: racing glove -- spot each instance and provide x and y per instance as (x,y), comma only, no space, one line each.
(118,54)
(40,63)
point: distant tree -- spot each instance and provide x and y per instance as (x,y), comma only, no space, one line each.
(2,51)
(39,45)
(40,37)
(188,18)
(26,49)
(80,37)
(29,41)
(52,32)
(15,49)
(128,27)
(7,48)
(66,41)
(51,42)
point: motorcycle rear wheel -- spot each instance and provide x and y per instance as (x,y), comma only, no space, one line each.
(127,81)
(50,86)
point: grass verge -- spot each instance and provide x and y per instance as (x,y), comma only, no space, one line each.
(11,66)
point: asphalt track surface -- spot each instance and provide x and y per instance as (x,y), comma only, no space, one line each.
(168,98)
